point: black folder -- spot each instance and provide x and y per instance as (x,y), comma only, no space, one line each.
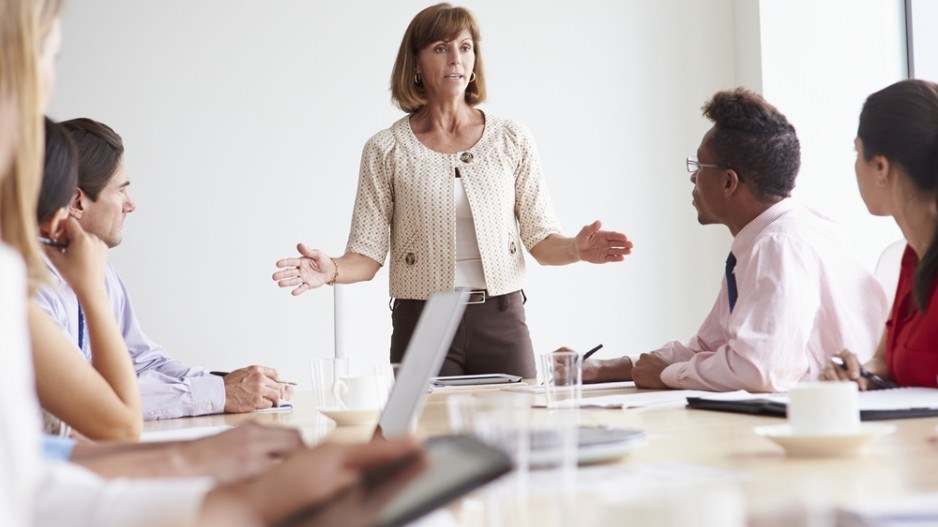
(777,409)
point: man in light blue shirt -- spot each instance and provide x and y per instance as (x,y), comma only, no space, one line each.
(169,388)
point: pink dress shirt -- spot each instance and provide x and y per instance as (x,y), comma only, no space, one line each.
(802,299)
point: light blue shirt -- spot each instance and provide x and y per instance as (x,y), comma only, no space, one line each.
(55,448)
(168,387)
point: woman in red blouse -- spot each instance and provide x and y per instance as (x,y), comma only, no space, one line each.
(897,172)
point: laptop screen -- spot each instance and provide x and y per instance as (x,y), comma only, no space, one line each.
(424,356)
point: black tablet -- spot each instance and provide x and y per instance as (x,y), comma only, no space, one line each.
(395,495)
(472,380)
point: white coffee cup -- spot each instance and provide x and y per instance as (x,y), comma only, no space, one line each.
(824,408)
(358,392)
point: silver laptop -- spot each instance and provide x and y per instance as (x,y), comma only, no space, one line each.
(424,356)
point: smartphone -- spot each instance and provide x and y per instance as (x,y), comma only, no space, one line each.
(401,492)
(471,380)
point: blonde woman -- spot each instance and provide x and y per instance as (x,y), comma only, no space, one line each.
(35,493)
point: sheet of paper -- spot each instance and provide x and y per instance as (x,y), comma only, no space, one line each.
(662,398)
(283,407)
(908,511)
(179,434)
(899,398)
(539,388)
(634,477)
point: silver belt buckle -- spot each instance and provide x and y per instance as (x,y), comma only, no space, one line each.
(476,292)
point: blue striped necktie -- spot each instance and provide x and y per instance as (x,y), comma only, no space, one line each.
(82,329)
(731,280)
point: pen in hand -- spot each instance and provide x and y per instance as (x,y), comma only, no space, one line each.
(590,353)
(52,243)
(223,373)
(872,377)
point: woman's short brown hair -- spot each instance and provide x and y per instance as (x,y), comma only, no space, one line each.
(435,23)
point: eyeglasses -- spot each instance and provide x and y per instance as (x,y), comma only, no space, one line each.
(693,165)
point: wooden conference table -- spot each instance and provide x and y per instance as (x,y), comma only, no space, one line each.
(772,485)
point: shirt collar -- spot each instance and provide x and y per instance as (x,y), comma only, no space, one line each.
(747,235)
(52,269)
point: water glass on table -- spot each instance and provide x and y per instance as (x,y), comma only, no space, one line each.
(563,379)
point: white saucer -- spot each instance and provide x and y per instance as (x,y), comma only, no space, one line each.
(825,445)
(350,417)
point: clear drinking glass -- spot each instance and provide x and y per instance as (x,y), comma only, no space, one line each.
(563,379)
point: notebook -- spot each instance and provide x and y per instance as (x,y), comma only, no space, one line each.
(875,405)
(424,356)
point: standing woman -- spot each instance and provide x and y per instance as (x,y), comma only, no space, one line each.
(897,172)
(453,193)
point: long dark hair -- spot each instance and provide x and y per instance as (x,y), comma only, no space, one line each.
(59,174)
(900,123)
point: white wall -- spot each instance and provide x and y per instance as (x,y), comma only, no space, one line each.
(820,60)
(244,123)
(925,38)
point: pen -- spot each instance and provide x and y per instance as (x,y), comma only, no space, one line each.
(590,353)
(223,373)
(52,243)
(872,377)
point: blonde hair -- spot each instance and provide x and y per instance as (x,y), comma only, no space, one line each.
(435,23)
(23,26)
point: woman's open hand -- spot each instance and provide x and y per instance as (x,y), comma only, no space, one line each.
(311,270)
(598,246)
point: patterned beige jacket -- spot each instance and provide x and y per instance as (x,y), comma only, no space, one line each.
(405,205)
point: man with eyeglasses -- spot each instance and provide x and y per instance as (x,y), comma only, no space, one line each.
(791,296)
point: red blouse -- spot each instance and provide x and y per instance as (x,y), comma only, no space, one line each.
(911,336)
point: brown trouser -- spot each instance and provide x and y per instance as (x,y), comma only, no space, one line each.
(492,337)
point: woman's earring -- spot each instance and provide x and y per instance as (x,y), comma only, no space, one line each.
(417,79)
(472,77)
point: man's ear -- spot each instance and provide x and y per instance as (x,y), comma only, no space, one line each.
(77,205)
(730,181)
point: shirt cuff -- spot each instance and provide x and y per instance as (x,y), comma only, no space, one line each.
(73,495)
(55,448)
(176,502)
(208,394)
(671,374)
(674,352)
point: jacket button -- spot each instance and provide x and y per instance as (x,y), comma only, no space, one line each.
(512,248)
(466,157)
(410,259)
